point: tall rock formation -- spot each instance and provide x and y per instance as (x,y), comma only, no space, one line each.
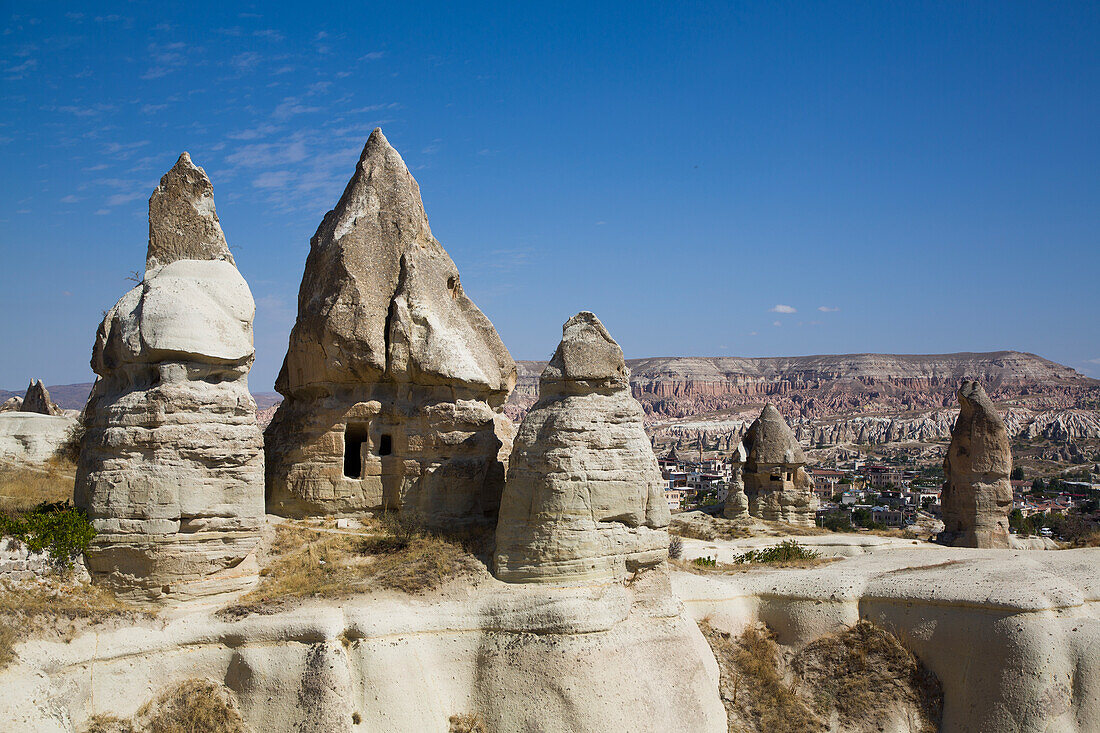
(776,482)
(737,501)
(584,498)
(393,380)
(38,400)
(171,464)
(977,494)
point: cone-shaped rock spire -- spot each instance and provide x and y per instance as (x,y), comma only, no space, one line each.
(977,493)
(37,399)
(183,224)
(388,362)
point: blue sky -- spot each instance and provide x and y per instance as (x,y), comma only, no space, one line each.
(743,179)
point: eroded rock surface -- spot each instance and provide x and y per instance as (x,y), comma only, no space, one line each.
(737,502)
(38,400)
(171,464)
(977,494)
(584,497)
(776,482)
(393,380)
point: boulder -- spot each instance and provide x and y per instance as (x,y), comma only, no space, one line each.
(977,493)
(12,404)
(37,399)
(171,462)
(393,381)
(584,498)
(776,482)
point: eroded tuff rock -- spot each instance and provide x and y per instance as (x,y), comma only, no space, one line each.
(183,224)
(776,482)
(393,379)
(977,494)
(584,498)
(37,399)
(737,502)
(171,464)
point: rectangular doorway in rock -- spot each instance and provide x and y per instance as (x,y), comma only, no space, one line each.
(385,444)
(355,434)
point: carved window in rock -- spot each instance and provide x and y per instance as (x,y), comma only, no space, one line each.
(355,434)
(385,444)
(777,476)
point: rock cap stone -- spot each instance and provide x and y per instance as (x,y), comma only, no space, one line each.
(587,357)
(183,224)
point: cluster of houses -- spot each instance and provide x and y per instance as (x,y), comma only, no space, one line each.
(893,495)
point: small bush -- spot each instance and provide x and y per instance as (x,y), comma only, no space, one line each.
(193,706)
(675,547)
(69,450)
(466,723)
(705,562)
(62,529)
(785,551)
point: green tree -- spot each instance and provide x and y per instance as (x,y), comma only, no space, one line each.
(1017,474)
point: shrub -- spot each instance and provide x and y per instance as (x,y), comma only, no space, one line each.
(705,562)
(61,528)
(466,723)
(785,551)
(675,547)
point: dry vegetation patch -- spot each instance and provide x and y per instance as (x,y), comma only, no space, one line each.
(306,560)
(24,487)
(754,691)
(193,706)
(862,679)
(865,673)
(57,607)
(466,723)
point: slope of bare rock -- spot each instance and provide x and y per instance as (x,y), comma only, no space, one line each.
(518,657)
(1014,637)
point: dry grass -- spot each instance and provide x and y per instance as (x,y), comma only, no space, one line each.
(55,607)
(733,569)
(865,674)
(192,707)
(752,685)
(466,723)
(23,487)
(862,678)
(308,561)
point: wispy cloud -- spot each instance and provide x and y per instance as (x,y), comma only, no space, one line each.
(776,323)
(290,107)
(372,56)
(780,308)
(272,179)
(252,133)
(124,198)
(90,110)
(827,309)
(151,109)
(70,199)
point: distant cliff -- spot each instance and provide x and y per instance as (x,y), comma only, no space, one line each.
(845,384)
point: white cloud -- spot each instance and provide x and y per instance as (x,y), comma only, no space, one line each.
(272,179)
(753,333)
(124,198)
(780,308)
(290,107)
(827,309)
(149,109)
(70,199)
(776,323)
(252,133)
(372,56)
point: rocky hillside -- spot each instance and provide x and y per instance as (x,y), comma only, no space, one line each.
(848,384)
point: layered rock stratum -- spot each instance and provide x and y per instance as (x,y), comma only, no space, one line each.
(584,497)
(393,380)
(977,495)
(171,463)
